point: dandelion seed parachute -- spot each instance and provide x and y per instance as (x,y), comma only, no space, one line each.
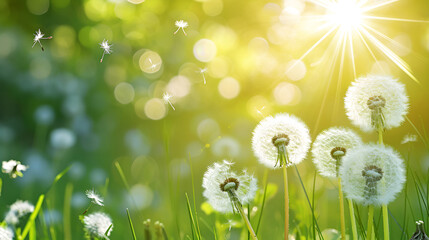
(95,198)
(281,124)
(372,174)
(218,199)
(330,147)
(96,224)
(372,93)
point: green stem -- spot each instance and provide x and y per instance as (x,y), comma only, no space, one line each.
(386,223)
(352,219)
(343,222)
(370,222)
(246,220)
(286,192)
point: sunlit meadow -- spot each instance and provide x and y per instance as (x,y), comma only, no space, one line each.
(214,119)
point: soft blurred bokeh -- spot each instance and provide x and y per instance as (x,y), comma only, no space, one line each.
(62,107)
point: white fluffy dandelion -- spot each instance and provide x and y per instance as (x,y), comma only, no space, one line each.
(281,140)
(97,224)
(106,48)
(17,210)
(5,233)
(95,198)
(224,188)
(166,97)
(39,36)
(330,147)
(180,24)
(372,174)
(376,102)
(13,168)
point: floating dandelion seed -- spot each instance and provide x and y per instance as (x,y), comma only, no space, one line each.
(224,189)
(152,65)
(409,138)
(95,198)
(202,71)
(348,21)
(106,48)
(166,96)
(13,168)
(330,147)
(281,140)
(181,25)
(376,102)
(39,36)
(18,210)
(97,224)
(259,111)
(5,233)
(372,174)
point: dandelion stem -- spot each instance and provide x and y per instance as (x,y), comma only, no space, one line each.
(370,222)
(246,220)
(352,219)
(286,234)
(385,222)
(343,222)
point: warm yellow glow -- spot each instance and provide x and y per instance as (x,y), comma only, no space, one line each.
(347,14)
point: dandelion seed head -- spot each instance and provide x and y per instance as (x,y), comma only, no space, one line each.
(95,198)
(13,168)
(17,210)
(106,47)
(96,224)
(219,178)
(330,147)
(372,174)
(282,127)
(369,93)
(409,138)
(5,233)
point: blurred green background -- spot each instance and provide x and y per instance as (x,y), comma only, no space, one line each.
(115,113)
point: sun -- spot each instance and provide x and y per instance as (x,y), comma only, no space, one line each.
(346,14)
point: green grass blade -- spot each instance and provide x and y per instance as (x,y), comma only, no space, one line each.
(32,234)
(121,173)
(191,218)
(193,198)
(131,225)
(32,218)
(66,211)
(262,206)
(1,184)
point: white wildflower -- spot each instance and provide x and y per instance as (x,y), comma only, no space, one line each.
(97,224)
(62,138)
(330,147)
(106,48)
(5,233)
(224,189)
(409,138)
(376,102)
(181,25)
(281,140)
(17,210)
(13,168)
(95,198)
(38,36)
(372,174)
(166,96)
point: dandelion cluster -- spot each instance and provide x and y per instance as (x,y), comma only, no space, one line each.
(281,140)
(376,102)
(224,188)
(372,174)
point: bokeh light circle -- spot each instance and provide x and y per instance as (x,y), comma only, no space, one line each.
(155,109)
(150,62)
(229,88)
(205,50)
(124,93)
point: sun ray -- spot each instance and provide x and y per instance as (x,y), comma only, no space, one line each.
(394,19)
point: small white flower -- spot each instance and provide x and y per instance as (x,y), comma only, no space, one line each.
(281,140)
(95,198)
(166,96)
(13,168)
(372,174)
(38,36)
(5,233)
(409,138)
(106,48)
(62,138)
(18,210)
(376,102)
(224,188)
(97,224)
(181,25)
(330,147)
